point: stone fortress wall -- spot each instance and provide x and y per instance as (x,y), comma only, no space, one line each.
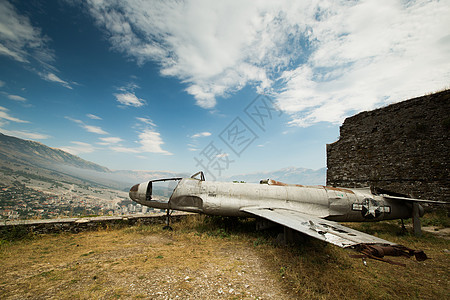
(403,147)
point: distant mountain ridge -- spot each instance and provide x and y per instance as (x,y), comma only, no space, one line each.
(34,153)
(36,158)
(291,175)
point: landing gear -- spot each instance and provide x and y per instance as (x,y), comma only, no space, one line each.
(404,231)
(417,227)
(168,216)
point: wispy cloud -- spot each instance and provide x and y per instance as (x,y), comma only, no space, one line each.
(78,148)
(2,83)
(193,146)
(150,141)
(25,43)
(127,96)
(19,39)
(146,121)
(25,134)
(94,129)
(129,99)
(89,128)
(4,115)
(17,98)
(54,78)
(201,134)
(93,117)
(5,118)
(320,60)
(110,141)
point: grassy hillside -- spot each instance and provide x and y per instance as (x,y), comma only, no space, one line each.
(214,258)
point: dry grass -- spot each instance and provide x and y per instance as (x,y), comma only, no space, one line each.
(211,258)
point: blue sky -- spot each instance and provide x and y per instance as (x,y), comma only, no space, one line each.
(233,86)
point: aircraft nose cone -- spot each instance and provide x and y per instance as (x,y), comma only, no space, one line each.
(133,192)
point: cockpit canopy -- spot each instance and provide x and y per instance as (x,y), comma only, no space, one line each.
(160,190)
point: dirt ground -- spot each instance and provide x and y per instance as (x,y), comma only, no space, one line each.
(152,266)
(440,232)
(198,261)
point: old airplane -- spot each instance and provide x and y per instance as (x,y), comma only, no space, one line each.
(311,210)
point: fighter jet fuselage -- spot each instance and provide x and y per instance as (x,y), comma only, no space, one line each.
(311,210)
(228,199)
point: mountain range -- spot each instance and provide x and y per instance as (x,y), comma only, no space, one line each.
(29,158)
(291,175)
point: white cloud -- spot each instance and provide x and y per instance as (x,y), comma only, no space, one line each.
(93,117)
(4,115)
(2,83)
(129,99)
(320,60)
(147,121)
(130,87)
(17,98)
(110,141)
(19,40)
(5,118)
(78,148)
(194,147)
(206,44)
(150,141)
(122,149)
(54,78)
(89,128)
(25,134)
(22,42)
(94,129)
(368,55)
(201,134)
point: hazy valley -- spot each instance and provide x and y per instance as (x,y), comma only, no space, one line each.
(37,181)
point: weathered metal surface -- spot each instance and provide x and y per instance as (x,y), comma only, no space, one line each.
(134,188)
(339,189)
(274,182)
(226,198)
(318,228)
(311,210)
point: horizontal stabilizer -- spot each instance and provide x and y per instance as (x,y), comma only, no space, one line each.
(413,199)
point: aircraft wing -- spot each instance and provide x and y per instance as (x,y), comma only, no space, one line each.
(332,232)
(325,230)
